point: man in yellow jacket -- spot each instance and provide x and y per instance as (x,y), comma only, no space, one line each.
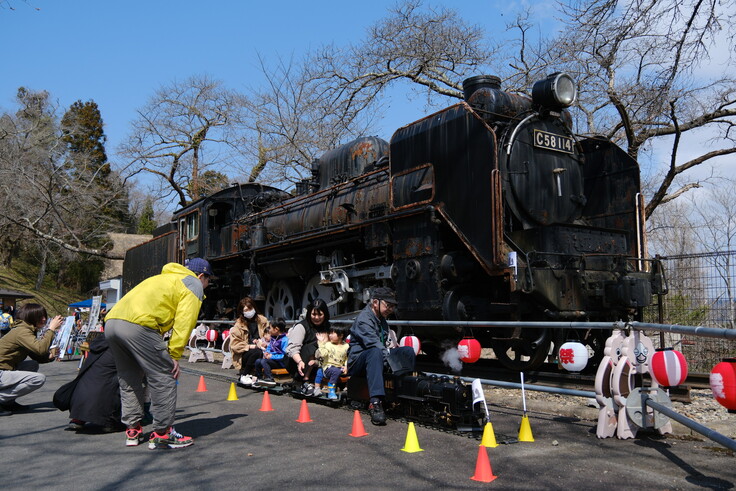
(134,329)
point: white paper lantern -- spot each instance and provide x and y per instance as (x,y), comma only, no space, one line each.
(573,356)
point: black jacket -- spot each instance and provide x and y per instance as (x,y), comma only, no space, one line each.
(96,398)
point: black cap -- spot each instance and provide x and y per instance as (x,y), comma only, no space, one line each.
(386,294)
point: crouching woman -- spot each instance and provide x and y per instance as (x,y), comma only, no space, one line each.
(19,376)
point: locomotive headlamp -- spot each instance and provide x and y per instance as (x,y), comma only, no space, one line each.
(556,91)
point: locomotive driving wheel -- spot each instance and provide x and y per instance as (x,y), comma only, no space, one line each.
(315,289)
(523,349)
(281,301)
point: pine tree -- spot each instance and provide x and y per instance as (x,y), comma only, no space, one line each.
(146,222)
(83,134)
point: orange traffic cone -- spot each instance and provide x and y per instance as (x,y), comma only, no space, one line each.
(202,387)
(266,404)
(358,428)
(304,413)
(483,472)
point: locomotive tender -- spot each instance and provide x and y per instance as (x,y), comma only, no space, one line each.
(490,209)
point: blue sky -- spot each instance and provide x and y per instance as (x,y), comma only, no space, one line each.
(119,53)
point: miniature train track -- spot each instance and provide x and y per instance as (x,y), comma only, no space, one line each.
(549,375)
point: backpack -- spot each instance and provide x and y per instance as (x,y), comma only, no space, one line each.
(5,321)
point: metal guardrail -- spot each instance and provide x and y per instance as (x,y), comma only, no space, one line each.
(727,442)
(709,332)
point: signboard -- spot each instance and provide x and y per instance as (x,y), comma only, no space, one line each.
(63,336)
(94,314)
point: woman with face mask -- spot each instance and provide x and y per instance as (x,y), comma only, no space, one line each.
(246,339)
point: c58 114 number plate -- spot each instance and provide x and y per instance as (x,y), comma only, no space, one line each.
(553,141)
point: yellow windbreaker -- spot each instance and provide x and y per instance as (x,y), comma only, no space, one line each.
(170,300)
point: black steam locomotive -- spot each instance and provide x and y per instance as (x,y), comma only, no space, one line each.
(490,209)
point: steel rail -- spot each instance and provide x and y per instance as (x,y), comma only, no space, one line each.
(515,385)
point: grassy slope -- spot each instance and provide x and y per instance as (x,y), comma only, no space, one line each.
(22,277)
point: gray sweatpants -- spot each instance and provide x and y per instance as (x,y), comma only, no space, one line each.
(21,381)
(141,352)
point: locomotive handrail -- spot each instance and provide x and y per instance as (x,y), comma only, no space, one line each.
(516,130)
(297,200)
(310,234)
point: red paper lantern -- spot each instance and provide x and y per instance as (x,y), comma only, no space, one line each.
(668,367)
(469,350)
(211,335)
(573,356)
(412,342)
(225,333)
(723,383)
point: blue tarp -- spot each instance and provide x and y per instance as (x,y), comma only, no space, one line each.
(84,304)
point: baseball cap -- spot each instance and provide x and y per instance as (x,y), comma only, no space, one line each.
(199,265)
(386,294)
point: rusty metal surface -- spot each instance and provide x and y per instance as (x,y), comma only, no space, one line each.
(343,204)
(612,184)
(146,259)
(349,160)
(461,149)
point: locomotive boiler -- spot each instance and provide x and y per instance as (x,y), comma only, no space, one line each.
(490,209)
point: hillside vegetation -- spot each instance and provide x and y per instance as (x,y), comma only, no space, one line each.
(21,277)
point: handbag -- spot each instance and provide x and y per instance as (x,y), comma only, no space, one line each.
(63,395)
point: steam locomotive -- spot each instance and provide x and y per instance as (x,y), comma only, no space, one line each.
(490,209)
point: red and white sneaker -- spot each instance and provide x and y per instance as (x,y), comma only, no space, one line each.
(169,439)
(134,436)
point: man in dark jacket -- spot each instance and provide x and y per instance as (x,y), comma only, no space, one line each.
(371,349)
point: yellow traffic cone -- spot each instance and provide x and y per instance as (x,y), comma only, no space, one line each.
(411,444)
(525,431)
(232,396)
(489,437)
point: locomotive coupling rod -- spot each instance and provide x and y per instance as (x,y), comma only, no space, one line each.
(693,425)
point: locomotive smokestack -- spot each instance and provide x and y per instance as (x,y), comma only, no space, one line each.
(470,85)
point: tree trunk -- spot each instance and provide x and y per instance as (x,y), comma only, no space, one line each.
(42,270)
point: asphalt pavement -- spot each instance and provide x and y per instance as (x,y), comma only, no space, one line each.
(237,446)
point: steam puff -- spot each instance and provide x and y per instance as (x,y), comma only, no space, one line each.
(451,359)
